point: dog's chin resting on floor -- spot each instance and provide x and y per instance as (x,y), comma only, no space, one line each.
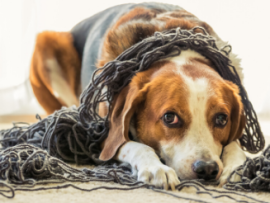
(180,109)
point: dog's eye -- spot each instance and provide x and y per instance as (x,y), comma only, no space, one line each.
(171,120)
(221,120)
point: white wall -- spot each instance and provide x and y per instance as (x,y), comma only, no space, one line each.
(244,23)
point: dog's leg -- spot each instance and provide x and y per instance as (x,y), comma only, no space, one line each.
(55,71)
(146,164)
(233,156)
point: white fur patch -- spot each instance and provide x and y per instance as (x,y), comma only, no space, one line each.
(60,86)
(236,62)
(233,156)
(198,142)
(153,21)
(146,164)
(185,57)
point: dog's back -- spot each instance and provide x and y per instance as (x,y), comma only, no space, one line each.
(63,63)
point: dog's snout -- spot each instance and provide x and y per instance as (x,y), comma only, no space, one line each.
(206,170)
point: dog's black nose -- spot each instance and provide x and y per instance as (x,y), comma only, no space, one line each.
(206,170)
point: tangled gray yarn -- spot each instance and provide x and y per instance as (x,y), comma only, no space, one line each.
(75,135)
(25,166)
(118,73)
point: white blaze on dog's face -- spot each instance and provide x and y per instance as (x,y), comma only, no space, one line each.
(189,113)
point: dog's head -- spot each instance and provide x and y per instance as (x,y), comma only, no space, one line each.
(183,109)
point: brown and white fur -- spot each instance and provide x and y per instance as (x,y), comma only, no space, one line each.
(186,85)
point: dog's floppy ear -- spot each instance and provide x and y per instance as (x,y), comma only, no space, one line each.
(238,118)
(123,108)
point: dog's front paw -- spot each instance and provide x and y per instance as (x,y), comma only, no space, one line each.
(158,175)
(226,173)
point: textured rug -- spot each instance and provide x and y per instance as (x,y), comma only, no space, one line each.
(81,192)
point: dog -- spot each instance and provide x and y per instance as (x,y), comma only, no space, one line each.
(178,119)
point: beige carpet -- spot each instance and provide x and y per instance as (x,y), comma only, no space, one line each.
(71,195)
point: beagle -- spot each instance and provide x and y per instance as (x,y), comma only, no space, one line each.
(180,111)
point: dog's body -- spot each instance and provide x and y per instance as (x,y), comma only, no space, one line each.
(179,110)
